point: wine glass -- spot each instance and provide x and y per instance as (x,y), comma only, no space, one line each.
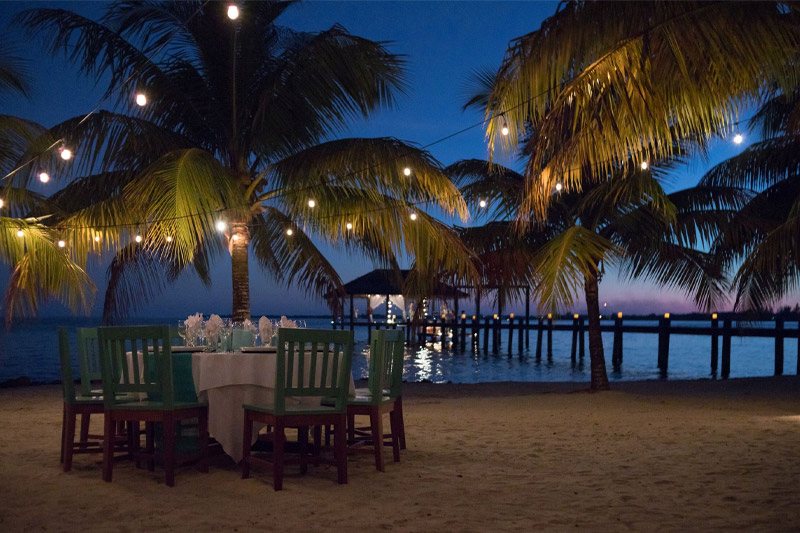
(182,331)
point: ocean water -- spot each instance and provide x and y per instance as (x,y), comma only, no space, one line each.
(30,349)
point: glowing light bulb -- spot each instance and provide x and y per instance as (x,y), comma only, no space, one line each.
(61,244)
(141,99)
(169,238)
(407,171)
(644,165)
(349,225)
(138,238)
(504,131)
(311,204)
(221,225)
(66,154)
(44,177)
(738,138)
(289,232)
(235,237)
(2,203)
(482,203)
(413,216)
(559,187)
(20,233)
(233,12)
(97,238)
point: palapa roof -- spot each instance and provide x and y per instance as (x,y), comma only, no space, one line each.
(387,281)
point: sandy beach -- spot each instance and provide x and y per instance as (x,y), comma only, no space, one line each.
(666,456)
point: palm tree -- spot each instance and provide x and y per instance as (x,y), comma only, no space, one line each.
(761,240)
(607,86)
(239,128)
(627,222)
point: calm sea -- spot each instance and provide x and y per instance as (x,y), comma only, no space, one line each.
(30,349)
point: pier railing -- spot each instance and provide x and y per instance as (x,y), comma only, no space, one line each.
(489,331)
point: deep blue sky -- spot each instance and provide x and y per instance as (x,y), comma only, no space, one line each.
(443,42)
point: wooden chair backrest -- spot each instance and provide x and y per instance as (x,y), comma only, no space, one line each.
(88,359)
(67,380)
(386,354)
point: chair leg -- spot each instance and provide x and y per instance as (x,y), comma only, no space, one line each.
(150,445)
(351,427)
(376,422)
(169,448)
(398,407)
(340,448)
(302,439)
(108,446)
(134,441)
(63,429)
(85,419)
(69,437)
(203,428)
(247,438)
(277,455)
(317,440)
(395,424)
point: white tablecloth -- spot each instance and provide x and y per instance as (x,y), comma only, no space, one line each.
(228,380)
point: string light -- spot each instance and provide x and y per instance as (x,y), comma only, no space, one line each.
(559,187)
(289,232)
(413,216)
(233,12)
(738,138)
(2,203)
(312,204)
(141,99)
(61,244)
(97,238)
(235,237)
(66,153)
(407,171)
(504,129)
(44,177)
(221,225)
(138,238)
(644,165)
(20,233)
(482,203)
(349,225)
(169,238)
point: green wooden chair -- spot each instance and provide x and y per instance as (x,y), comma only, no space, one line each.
(83,401)
(310,364)
(151,375)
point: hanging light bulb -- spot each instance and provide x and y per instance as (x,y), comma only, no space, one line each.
(97,238)
(233,11)
(312,204)
(482,203)
(138,238)
(141,99)
(61,244)
(20,233)
(221,225)
(44,177)
(413,216)
(559,187)
(169,238)
(738,138)
(504,129)
(644,165)
(407,171)
(289,232)
(66,153)
(2,203)
(349,225)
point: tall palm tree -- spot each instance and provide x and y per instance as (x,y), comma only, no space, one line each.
(40,269)
(626,221)
(239,126)
(761,241)
(628,83)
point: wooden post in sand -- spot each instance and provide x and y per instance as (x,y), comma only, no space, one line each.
(714,345)
(778,346)
(663,344)
(540,330)
(726,348)
(616,351)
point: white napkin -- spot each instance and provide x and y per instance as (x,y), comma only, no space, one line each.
(286,323)
(213,326)
(247,325)
(193,323)
(265,329)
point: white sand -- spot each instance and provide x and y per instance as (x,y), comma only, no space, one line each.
(678,456)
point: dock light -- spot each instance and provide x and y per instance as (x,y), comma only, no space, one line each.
(138,238)
(714,316)
(495,317)
(289,232)
(97,238)
(407,171)
(644,165)
(169,238)
(666,315)
(312,204)
(141,99)
(511,316)
(349,225)
(619,314)
(413,216)
(233,12)
(44,177)
(559,187)
(463,316)
(66,153)
(482,203)
(575,315)
(601,316)
(605,304)
(20,233)
(473,317)
(61,244)
(221,225)
(738,138)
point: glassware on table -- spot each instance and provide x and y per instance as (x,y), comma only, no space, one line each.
(182,331)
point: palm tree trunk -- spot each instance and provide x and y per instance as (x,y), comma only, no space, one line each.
(240,273)
(596,356)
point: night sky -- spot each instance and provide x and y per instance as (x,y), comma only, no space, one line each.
(443,42)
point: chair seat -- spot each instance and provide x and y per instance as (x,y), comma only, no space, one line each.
(158,406)
(293,409)
(364,391)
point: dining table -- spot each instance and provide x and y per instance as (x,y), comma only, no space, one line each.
(228,380)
